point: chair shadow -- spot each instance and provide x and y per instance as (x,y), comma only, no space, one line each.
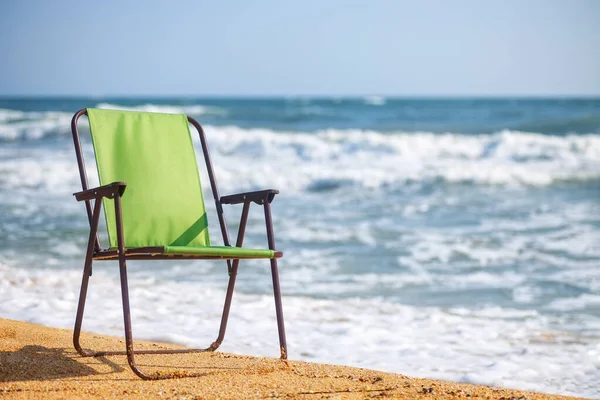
(33,363)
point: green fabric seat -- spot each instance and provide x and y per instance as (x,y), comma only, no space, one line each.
(220,251)
(163,205)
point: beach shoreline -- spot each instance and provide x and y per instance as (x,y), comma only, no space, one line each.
(38,361)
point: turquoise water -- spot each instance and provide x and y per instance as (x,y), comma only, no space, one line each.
(449,238)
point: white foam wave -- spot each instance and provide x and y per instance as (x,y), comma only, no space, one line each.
(42,171)
(169,109)
(375,100)
(576,303)
(374,160)
(32,125)
(10,115)
(331,159)
(491,346)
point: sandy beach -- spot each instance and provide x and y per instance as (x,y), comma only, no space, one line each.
(40,362)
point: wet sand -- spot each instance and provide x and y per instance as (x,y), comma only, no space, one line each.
(40,362)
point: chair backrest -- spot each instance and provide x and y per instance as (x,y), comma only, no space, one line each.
(154,155)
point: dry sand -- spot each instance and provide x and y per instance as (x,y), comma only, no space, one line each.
(40,362)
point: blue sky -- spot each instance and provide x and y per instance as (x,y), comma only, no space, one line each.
(320,47)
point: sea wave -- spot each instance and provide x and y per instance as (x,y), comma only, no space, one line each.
(192,110)
(16,125)
(21,125)
(335,159)
(375,100)
(332,159)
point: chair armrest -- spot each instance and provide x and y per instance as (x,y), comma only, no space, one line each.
(108,191)
(258,197)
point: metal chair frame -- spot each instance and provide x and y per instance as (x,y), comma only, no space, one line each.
(93,203)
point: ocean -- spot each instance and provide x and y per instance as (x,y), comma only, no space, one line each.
(446,238)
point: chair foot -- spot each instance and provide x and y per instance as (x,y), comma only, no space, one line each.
(154,376)
(164,375)
(92,353)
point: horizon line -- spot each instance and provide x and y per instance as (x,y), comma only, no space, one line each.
(323,96)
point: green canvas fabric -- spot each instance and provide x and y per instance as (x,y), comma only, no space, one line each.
(154,155)
(221,251)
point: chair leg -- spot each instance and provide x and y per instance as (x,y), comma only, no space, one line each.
(278,309)
(232,275)
(87,272)
(275,275)
(226,307)
(128,333)
(127,321)
(129,339)
(79,317)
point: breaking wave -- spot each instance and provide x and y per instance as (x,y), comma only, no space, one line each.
(330,159)
(34,125)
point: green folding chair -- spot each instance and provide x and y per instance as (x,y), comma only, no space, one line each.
(152,198)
